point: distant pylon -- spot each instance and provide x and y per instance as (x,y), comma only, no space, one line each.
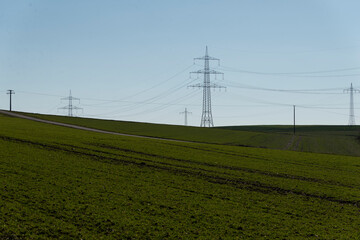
(206,116)
(186,112)
(70,107)
(351,90)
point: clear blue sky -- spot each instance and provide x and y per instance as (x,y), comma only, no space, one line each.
(130,60)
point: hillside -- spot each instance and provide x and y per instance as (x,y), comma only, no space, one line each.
(59,182)
(194,134)
(335,139)
(342,140)
(302,129)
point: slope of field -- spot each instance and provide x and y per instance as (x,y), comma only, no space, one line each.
(308,129)
(341,140)
(194,134)
(58,182)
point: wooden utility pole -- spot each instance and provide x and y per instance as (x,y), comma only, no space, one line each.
(294,118)
(10,92)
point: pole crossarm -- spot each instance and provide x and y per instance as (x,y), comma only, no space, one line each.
(10,92)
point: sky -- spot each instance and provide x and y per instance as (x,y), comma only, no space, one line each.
(130,59)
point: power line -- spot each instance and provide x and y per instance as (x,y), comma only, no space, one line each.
(141,92)
(166,80)
(116,100)
(255,100)
(322,110)
(256,114)
(299,91)
(153,99)
(160,106)
(166,105)
(277,52)
(224,68)
(42,94)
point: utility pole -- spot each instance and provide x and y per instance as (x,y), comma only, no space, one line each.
(70,107)
(186,112)
(294,117)
(206,117)
(351,90)
(10,92)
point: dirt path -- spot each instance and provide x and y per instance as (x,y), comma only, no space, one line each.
(12,114)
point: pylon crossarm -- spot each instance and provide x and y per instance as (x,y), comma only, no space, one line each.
(207,58)
(199,85)
(70,98)
(197,72)
(202,71)
(214,85)
(215,72)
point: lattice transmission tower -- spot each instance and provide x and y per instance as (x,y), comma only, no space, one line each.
(351,90)
(206,116)
(186,112)
(70,107)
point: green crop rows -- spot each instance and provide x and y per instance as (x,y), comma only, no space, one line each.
(62,183)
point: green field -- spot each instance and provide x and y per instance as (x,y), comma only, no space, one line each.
(341,140)
(63,183)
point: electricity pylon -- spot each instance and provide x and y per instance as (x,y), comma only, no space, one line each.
(351,90)
(186,112)
(70,107)
(206,116)
(10,92)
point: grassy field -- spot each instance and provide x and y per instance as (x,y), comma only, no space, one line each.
(195,134)
(62,183)
(341,140)
(308,129)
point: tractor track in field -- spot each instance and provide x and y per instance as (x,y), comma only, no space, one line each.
(234,168)
(71,149)
(294,143)
(211,176)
